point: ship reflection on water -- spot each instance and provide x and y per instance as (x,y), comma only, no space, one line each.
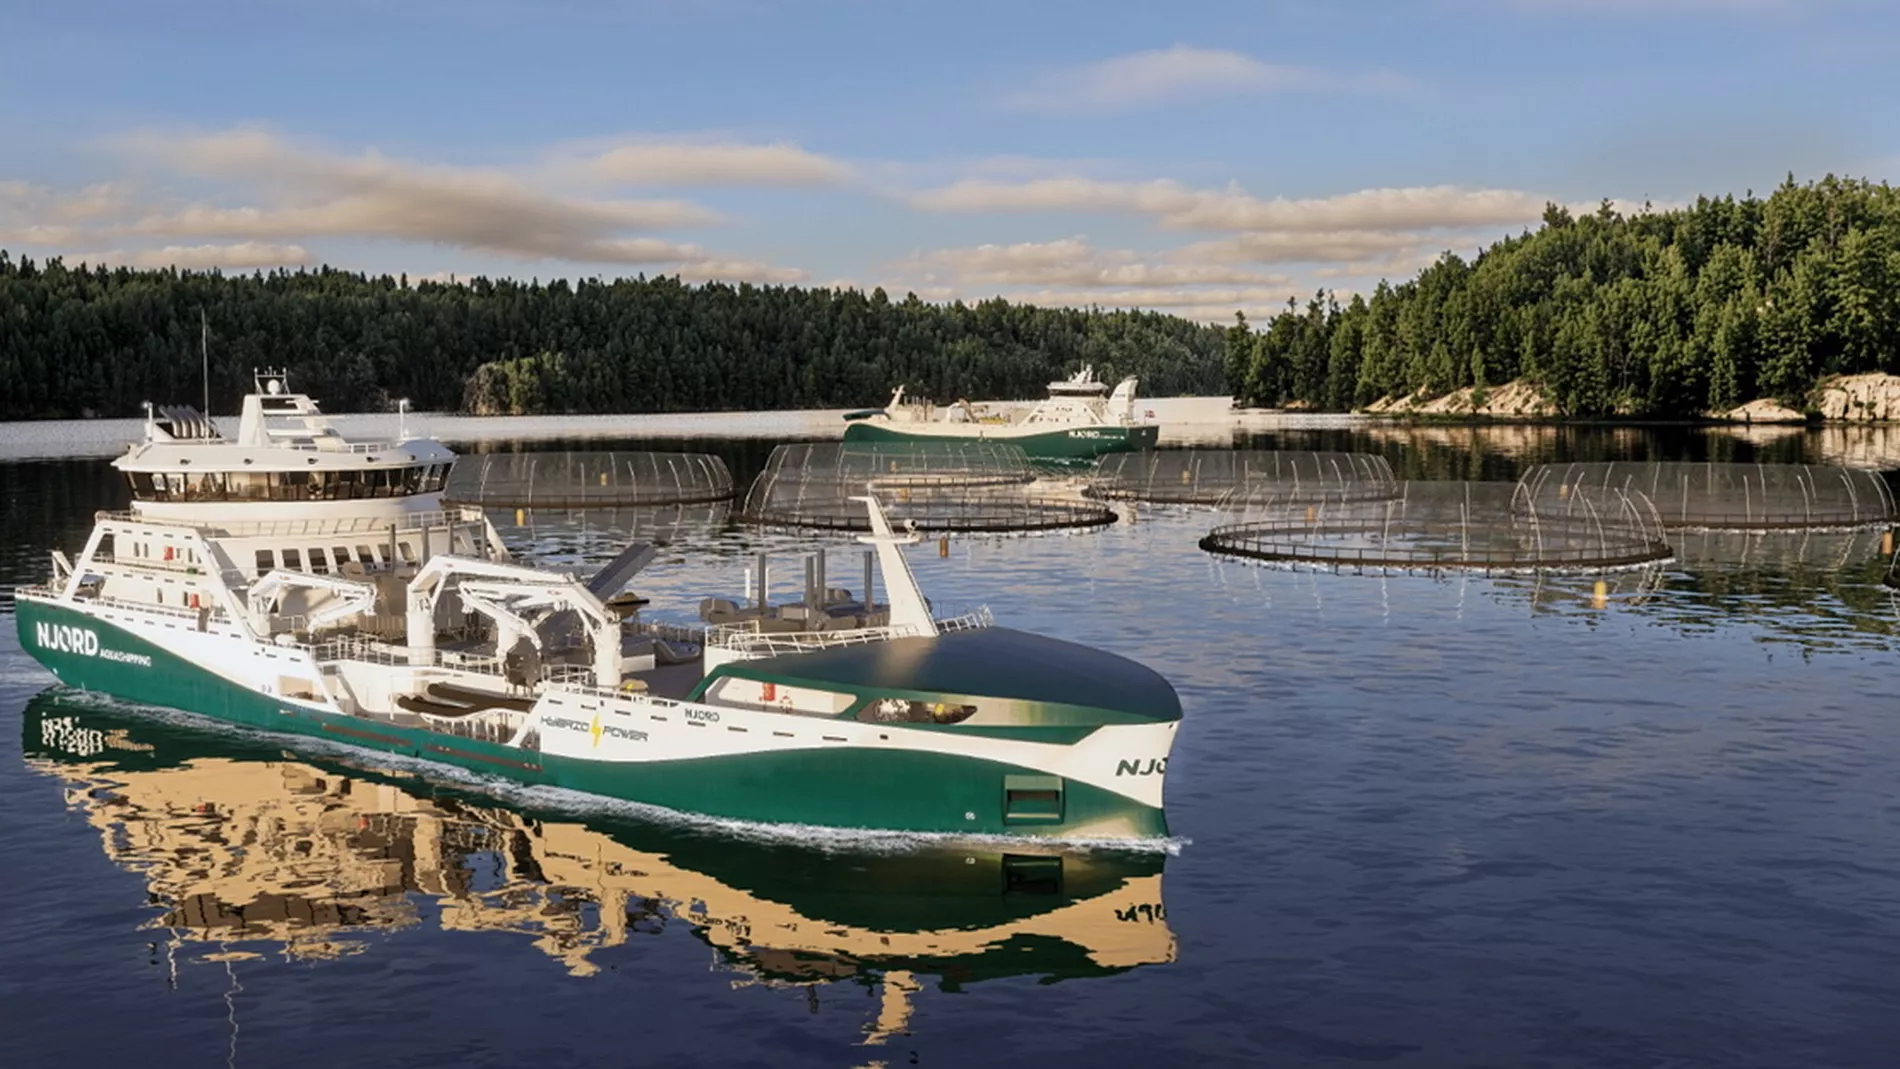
(249,854)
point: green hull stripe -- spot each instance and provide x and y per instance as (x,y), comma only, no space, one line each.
(850,787)
(1083,444)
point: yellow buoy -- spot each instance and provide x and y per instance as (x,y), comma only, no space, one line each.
(943,547)
(521,517)
(1600,597)
(1886,543)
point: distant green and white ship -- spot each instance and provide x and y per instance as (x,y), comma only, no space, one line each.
(1079,421)
(298,582)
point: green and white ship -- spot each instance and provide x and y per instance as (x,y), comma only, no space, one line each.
(1079,421)
(295,581)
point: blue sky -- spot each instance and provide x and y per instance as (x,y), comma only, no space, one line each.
(1194,157)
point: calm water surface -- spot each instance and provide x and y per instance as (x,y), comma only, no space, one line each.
(1419,822)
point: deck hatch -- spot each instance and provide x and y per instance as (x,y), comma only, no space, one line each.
(1032,799)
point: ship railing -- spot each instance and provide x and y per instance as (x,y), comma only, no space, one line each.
(748,642)
(588,688)
(176,566)
(406,522)
(570,676)
(210,614)
(372,651)
(669,632)
(329,441)
(356,648)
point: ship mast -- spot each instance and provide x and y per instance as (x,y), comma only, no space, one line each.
(204,355)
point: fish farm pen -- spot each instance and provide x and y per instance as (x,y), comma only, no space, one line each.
(905,465)
(1827,552)
(587,480)
(1447,526)
(575,537)
(1229,476)
(1729,497)
(950,487)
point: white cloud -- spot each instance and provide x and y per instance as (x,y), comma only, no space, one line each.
(1414,208)
(310,193)
(661,163)
(1072,272)
(1179,207)
(1157,197)
(274,194)
(1293,247)
(37,234)
(1398,266)
(37,215)
(1161,74)
(246,255)
(1074,262)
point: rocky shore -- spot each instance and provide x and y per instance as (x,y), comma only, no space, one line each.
(1869,398)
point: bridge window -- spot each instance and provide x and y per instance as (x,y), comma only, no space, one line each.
(287,485)
(318,562)
(293,560)
(265,562)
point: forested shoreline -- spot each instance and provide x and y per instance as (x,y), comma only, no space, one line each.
(94,341)
(1657,314)
(1664,314)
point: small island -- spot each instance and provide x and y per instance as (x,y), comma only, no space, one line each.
(1776,309)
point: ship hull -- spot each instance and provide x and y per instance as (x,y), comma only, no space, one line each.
(914,788)
(1073,445)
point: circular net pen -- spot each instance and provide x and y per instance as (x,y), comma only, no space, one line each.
(1452,526)
(962,465)
(1729,497)
(937,487)
(1231,476)
(587,480)
(590,537)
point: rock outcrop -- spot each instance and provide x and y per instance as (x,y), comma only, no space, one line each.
(1871,398)
(1765,410)
(1516,399)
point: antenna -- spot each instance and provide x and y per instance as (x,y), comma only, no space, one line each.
(204,354)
